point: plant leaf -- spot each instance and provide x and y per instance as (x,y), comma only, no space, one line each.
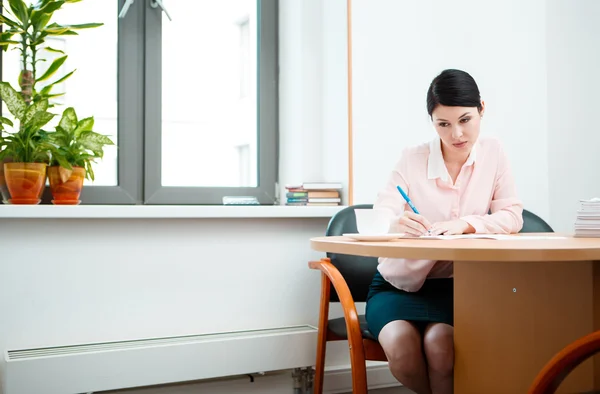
(6,35)
(9,22)
(85,26)
(89,172)
(60,80)
(55,29)
(54,26)
(86,124)
(49,96)
(58,30)
(46,90)
(19,9)
(94,141)
(63,162)
(14,101)
(5,40)
(76,27)
(53,68)
(41,21)
(59,137)
(41,3)
(7,121)
(49,49)
(50,7)
(69,120)
(40,106)
(64,33)
(39,120)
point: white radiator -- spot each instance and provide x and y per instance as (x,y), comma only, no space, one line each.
(113,365)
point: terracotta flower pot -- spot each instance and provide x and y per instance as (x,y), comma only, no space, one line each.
(66,185)
(25,182)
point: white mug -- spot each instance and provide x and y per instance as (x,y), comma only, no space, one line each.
(373,221)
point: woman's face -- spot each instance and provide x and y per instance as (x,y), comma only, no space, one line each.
(458,127)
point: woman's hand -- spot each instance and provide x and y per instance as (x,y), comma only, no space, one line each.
(452,227)
(412,224)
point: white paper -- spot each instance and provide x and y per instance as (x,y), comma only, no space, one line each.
(491,236)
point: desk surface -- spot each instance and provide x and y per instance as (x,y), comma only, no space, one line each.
(559,249)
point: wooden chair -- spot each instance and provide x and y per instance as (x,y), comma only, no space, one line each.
(565,361)
(350,277)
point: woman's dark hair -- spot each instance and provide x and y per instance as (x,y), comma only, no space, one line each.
(454,88)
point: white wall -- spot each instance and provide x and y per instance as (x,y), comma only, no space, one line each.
(573,60)
(73,281)
(78,281)
(398,47)
(313,92)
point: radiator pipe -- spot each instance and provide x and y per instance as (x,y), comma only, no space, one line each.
(297,375)
(308,378)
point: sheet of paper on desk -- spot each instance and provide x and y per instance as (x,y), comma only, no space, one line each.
(492,236)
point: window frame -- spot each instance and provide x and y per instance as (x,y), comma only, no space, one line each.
(130,115)
(267,130)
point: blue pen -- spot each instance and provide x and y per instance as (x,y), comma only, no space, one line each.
(410,204)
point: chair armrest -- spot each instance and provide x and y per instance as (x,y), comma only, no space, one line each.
(348,306)
(565,361)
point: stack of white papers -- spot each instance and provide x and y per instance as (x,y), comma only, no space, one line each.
(588,218)
(523,237)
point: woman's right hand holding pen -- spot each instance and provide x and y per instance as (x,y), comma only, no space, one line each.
(413,224)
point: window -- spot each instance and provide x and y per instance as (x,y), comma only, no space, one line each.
(211,100)
(191,102)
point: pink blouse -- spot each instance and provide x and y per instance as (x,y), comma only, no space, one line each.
(484,183)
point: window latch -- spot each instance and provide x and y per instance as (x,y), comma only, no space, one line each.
(159,3)
(125,8)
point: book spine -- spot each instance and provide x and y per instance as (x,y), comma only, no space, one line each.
(296,194)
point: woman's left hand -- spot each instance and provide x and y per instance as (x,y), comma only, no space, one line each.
(452,227)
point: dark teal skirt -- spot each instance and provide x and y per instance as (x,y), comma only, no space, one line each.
(432,303)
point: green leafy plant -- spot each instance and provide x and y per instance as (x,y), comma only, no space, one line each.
(29,144)
(76,144)
(27,27)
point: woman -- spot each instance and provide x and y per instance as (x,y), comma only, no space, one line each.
(455,181)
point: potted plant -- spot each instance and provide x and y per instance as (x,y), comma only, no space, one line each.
(75,148)
(28,147)
(26,28)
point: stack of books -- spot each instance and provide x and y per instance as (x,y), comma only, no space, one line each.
(314,194)
(588,218)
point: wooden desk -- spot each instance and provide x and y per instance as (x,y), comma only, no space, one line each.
(516,304)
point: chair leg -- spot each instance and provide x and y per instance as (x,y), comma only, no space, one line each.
(358,365)
(322,334)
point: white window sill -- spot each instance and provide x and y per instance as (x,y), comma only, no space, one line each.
(162,212)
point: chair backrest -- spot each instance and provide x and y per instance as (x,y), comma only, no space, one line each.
(532,223)
(358,271)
